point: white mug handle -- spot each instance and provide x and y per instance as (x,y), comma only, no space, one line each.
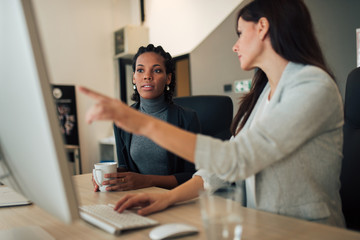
(96,177)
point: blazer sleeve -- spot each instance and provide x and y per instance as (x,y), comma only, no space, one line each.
(120,147)
(306,104)
(122,142)
(184,170)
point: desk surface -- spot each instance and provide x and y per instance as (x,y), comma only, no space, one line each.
(257,224)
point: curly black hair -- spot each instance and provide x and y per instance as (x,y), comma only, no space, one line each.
(169,65)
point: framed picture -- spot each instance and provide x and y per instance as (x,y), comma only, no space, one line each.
(65,100)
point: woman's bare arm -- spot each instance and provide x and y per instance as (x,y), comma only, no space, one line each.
(154,202)
(174,139)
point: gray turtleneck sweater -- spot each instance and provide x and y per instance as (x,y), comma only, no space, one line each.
(148,156)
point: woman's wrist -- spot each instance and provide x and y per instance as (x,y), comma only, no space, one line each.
(149,180)
(121,169)
(149,127)
(171,197)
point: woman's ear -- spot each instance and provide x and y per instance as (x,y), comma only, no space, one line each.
(133,80)
(263,27)
(168,78)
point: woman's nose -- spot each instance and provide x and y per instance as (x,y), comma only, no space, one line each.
(147,77)
(235,48)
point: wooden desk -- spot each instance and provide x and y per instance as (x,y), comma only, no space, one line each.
(257,224)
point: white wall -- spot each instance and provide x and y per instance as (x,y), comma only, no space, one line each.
(78,43)
(180,26)
(213,64)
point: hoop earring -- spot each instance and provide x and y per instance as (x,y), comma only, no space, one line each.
(167,88)
(134,87)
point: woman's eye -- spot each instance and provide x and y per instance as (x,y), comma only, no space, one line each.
(157,70)
(139,70)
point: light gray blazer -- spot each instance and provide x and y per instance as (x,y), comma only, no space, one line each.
(294,149)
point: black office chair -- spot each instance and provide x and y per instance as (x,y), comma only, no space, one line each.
(215,113)
(350,173)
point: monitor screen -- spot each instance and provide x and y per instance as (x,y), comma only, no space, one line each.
(33,157)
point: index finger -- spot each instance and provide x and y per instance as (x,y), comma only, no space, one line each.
(113,175)
(119,206)
(131,201)
(91,93)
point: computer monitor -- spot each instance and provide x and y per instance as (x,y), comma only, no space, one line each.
(31,145)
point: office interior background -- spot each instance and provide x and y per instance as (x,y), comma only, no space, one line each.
(78,37)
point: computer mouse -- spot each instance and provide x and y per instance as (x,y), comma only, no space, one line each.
(172,230)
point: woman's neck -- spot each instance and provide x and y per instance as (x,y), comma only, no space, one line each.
(153,105)
(274,69)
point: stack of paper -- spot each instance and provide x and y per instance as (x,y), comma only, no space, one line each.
(8,198)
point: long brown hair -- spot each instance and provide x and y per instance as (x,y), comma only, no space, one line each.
(292,37)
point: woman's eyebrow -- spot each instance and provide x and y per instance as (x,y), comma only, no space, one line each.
(155,65)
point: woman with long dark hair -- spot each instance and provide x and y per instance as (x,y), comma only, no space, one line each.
(287,134)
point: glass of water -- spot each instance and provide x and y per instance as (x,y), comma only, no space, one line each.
(221,214)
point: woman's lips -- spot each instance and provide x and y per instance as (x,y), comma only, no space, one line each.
(147,87)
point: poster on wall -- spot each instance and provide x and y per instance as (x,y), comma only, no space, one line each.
(65,99)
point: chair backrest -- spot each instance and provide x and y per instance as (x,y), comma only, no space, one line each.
(215,113)
(350,173)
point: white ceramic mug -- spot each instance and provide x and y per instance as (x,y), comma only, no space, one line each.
(103,168)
